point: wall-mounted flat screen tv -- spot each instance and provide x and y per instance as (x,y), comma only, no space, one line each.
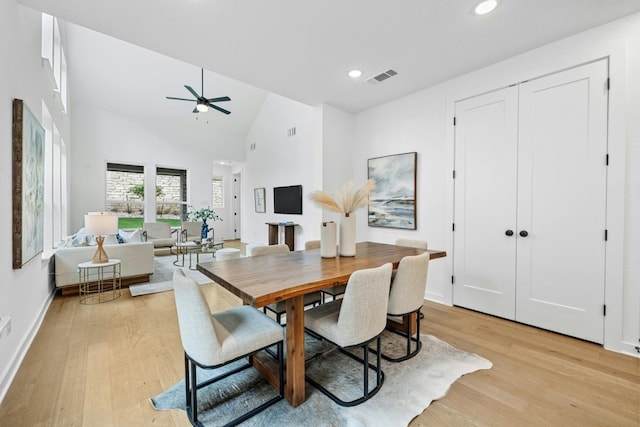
(288,200)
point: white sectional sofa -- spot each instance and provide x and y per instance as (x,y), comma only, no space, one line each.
(136,267)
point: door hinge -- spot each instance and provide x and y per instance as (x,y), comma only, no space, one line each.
(608,83)
(604,310)
(454,174)
(453,227)
(452,279)
(606,235)
(607,160)
(454,121)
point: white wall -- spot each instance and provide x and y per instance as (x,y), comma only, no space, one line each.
(279,160)
(338,168)
(422,122)
(101,136)
(25,293)
(413,123)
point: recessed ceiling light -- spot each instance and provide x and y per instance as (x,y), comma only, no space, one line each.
(354,74)
(485,7)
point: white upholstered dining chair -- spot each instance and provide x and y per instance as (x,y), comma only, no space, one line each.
(406,299)
(355,321)
(214,340)
(412,243)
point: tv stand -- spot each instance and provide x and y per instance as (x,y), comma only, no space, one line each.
(289,233)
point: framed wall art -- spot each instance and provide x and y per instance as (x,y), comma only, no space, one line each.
(258,199)
(28,185)
(392,203)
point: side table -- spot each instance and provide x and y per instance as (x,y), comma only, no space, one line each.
(182,248)
(99,282)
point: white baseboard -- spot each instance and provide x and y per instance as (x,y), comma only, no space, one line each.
(437,298)
(629,348)
(10,371)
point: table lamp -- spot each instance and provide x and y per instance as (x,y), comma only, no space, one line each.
(100,224)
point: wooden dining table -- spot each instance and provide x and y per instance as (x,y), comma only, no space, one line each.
(260,281)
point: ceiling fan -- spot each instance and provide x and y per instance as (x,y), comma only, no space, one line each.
(203,104)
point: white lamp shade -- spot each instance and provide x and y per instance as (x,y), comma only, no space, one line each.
(101,224)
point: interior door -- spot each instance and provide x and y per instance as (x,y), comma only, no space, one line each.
(237,205)
(485,203)
(562,178)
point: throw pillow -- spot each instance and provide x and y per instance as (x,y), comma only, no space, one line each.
(130,236)
(110,240)
(119,238)
(78,239)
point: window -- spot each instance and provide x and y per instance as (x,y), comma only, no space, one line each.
(217,198)
(53,57)
(125,193)
(55,183)
(171,194)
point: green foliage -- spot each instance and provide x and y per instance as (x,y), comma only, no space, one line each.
(138,191)
(204,213)
(132,222)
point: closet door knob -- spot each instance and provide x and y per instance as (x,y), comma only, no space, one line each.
(524,233)
(509,233)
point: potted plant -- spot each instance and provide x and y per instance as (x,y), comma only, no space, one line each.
(203,214)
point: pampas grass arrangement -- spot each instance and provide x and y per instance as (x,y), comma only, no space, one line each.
(346,200)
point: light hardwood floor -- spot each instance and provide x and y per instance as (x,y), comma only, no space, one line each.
(98,365)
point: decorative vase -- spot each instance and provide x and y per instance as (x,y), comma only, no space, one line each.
(328,240)
(205,229)
(348,234)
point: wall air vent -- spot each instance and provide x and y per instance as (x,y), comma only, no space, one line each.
(381,77)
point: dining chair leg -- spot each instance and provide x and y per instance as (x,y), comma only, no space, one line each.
(194,395)
(281,368)
(408,334)
(366,369)
(379,362)
(187,381)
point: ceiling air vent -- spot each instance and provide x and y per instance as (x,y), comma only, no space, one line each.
(381,77)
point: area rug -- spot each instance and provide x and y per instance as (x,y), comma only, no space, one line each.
(409,387)
(161,279)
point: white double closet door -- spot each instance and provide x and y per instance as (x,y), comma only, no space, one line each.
(530,202)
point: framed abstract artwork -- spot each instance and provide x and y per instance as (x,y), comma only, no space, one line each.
(28,185)
(392,203)
(258,199)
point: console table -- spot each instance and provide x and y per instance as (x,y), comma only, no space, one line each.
(289,233)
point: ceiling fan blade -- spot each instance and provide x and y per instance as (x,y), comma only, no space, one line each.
(195,110)
(222,110)
(221,99)
(180,99)
(193,92)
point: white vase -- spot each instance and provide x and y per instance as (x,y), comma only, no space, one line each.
(348,234)
(328,247)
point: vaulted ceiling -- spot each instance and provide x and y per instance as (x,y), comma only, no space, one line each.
(298,49)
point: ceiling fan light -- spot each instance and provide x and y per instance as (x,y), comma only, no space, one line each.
(202,107)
